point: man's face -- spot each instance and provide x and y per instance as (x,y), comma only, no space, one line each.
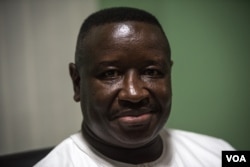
(125,85)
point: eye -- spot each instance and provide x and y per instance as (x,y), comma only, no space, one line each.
(153,73)
(110,74)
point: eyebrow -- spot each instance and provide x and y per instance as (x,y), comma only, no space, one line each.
(157,62)
(153,62)
(108,63)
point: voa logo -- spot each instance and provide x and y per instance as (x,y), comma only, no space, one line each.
(236,158)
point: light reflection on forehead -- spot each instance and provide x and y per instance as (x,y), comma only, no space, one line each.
(122,31)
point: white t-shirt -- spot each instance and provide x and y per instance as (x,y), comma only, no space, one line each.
(180,149)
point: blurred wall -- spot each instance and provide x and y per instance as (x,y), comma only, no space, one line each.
(37,41)
(210,43)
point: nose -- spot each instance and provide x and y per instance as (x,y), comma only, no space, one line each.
(133,89)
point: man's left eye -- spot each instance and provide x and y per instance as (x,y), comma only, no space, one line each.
(152,73)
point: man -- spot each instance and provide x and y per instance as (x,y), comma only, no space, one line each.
(122,78)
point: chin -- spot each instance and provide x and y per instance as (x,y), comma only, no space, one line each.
(136,138)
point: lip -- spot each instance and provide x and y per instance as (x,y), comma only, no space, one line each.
(135,122)
(132,113)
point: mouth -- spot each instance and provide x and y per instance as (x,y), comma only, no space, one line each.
(134,118)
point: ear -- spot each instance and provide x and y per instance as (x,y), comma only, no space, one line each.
(171,63)
(75,77)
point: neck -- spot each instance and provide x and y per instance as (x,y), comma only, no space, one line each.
(150,152)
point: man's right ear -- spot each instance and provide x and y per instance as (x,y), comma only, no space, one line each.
(75,77)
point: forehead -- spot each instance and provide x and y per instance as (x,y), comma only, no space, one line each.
(122,31)
(130,39)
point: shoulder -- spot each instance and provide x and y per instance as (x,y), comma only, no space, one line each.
(198,140)
(193,149)
(68,153)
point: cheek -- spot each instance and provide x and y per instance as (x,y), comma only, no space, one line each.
(96,99)
(102,95)
(162,93)
(162,89)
